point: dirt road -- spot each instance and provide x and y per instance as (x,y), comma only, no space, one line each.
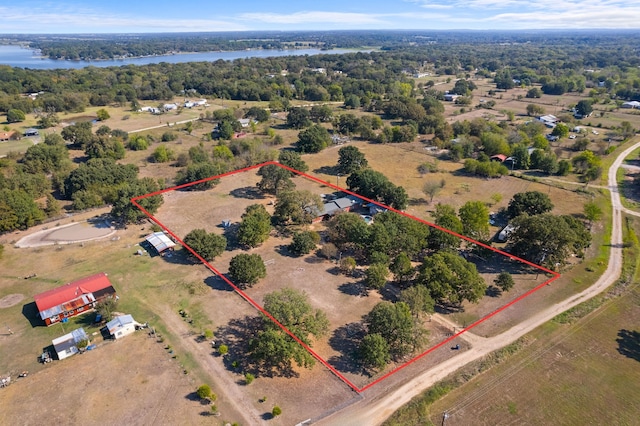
(374,411)
(230,393)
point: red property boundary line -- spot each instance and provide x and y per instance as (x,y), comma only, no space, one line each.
(555,275)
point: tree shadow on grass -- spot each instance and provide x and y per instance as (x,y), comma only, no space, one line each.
(328,170)
(216,282)
(354,288)
(346,340)
(248,192)
(237,335)
(629,343)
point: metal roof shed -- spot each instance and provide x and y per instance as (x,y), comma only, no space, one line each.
(160,242)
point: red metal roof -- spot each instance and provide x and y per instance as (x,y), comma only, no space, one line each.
(71,291)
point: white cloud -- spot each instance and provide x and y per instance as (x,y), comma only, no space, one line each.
(312,17)
(42,21)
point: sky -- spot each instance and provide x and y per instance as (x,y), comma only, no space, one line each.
(144,16)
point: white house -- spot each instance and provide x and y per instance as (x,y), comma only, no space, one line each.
(122,326)
(66,345)
(548,120)
(189,104)
(169,107)
(450,97)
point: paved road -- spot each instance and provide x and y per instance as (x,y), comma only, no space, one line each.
(373,411)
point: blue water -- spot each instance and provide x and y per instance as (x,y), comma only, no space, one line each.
(17,56)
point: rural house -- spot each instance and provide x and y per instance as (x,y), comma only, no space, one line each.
(548,120)
(632,104)
(73,298)
(122,326)
(67,345)
(6,136)
(333,207)
(160,242)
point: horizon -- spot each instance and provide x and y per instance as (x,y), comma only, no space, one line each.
(164,16)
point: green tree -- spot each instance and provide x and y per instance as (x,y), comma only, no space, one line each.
(547,239)
(138,143)
(534,110)
(298,118)
(162,154)
(393,321)
(348,230)
(376,276)
(451,279)
(592,211)
(445,217)
(418,299)
(431,188)
(520,157)
(102,114)
(201,173)
(258,113)
(292,159)
(222,152)
(347,265)
(351,159)
(561,130)
(276,411)
(275,179)
(321,113)
(104,147)
(314,139)
(530,203)
(504,281)
(584,108)
(249,378)
(204,392)
(125,210)
(374,352)
(374,185)
(402,268)
(18,210)
(255,226)
(15,116)
(304,242)
(534,92)
(474,216)
(208,246)
(106,308)
(292,309)
(247,269)
(297,207)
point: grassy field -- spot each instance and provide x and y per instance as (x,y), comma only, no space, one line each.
(581,368)
(18,146)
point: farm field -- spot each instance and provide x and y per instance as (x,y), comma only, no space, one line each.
(587,372)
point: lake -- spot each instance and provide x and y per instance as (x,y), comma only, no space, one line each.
(16,56)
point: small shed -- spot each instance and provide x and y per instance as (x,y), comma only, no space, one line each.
(160,242)
(31,132)
(67,345)
(122,326)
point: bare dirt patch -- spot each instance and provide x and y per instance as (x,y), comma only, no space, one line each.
(132,381)
(11,300)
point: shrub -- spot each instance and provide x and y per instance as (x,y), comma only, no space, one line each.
(276,411)
(204,392)
(223,349)
(249,378)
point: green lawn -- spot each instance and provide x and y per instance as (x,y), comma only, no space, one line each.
(15,146)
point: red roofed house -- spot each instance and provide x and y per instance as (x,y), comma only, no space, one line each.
(498,157)
(73,298)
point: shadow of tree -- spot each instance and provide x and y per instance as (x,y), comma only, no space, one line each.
(237,335)
(328,170)
(346,340)
(248,192)
(493,291)
(354,288)
(629,343)
(217,283)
